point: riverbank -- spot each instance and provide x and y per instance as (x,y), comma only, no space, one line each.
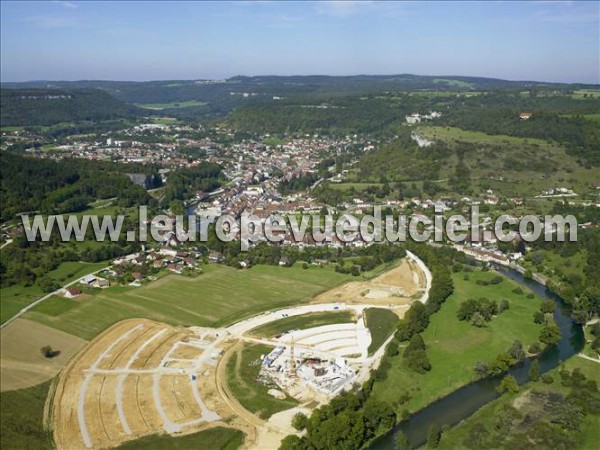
(513,418)
(454,346)
(463,402)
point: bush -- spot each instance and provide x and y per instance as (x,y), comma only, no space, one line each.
(481,369)
(547,379)
(518,291)
(392,348)
(535,348)
(416,356)
(508,385)
(503,306)
(433,436)
(401,442)
(547,307)
(478,320)
(538,317)
(299,421)
(534,370)
(48,352)
(496,280)
(550,334)
(483,308)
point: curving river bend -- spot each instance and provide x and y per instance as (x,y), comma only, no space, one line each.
(463,402)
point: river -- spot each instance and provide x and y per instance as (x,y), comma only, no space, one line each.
(463,402)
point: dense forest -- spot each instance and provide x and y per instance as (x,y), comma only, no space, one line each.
(499,114)
(24,107)
(31,184)
(184,183)
(220,98)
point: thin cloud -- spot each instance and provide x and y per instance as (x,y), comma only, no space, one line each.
(569,16)
(343,8)
(348,8)
(53,22)
(70,5)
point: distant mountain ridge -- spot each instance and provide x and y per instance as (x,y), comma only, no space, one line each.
(25,107)
(217,98)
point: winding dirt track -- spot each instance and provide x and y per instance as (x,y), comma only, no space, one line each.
(143,358)
(253,422)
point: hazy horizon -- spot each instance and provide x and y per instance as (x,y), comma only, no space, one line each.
(443,75)
(153,41)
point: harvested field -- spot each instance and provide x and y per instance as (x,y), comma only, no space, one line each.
(121,387)
(22,363)
(397,287)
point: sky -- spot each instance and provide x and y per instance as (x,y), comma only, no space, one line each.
(75,40)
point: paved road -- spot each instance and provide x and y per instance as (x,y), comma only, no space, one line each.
(46,297)
(581,355)
(6,243)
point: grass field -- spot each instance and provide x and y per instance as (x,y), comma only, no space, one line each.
(21,419)
(586,93)
(487,416)
(357,186)
(242,370)
(303,322)
(590,117)
(22,364)
(219,438)
(381,323)
(454,347)
(185,104)
(15,298)
(56,305)
(456,83)
(555,265)
(221,295)
(458,134)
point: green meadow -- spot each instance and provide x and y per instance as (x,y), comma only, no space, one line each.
(15,298)
(219,296)
(453,347)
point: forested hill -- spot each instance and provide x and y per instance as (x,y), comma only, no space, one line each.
(32,184)
(178,90)
(25,107)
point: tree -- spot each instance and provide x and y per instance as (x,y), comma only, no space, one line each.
(547,307)
(535,348)
(550,334)
(48,352)
(177,208)
(534,370)
(501,364)
(433,436)
(379,417)
(416,343)
(516,351)
(392,348)
(478,320)
(291,442)
(538,317)
(481,369)
(419,362)
(508,385)
(415,321)
(299,421)
(401,442)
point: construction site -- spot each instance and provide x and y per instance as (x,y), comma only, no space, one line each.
(142,377)
(323,359)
